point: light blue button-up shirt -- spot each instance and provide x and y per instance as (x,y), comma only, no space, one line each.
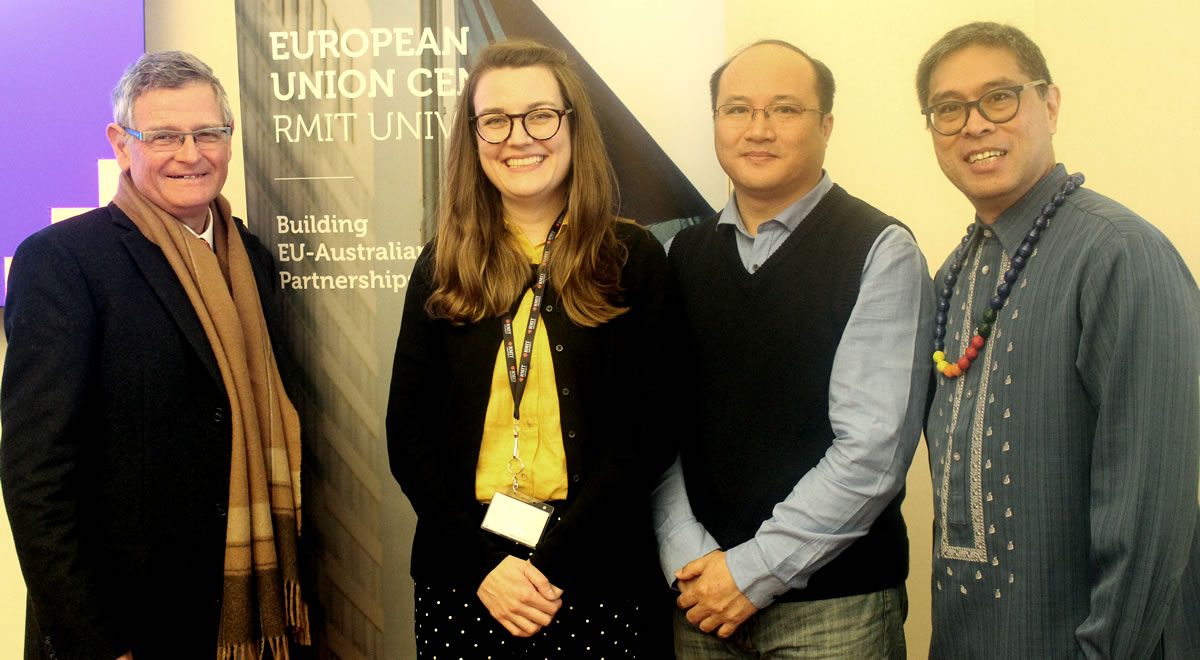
(877,393)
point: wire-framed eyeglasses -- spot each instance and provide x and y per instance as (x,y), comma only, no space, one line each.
(739,114)
(205,138)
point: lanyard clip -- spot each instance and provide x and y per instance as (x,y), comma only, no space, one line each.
(515,465)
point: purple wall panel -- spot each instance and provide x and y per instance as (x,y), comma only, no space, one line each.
(61,60)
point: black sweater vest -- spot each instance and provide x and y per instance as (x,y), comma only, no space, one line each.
(762,352)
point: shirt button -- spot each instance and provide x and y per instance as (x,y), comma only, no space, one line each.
(575,478)
(218,414)
(987,233)
(566,391)
(986,269)
(957,456)
(754,268)
(558,348)
(549,308)
(220,510)
(970,394)
(570,434)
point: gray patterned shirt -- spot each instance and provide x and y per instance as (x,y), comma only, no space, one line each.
(1065,460)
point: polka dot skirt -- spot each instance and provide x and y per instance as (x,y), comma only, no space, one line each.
(453,624)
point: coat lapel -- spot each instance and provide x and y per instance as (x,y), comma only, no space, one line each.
(150,260)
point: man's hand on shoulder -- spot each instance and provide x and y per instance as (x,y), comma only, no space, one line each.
(710,597)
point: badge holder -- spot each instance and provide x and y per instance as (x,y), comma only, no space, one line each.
(517,517)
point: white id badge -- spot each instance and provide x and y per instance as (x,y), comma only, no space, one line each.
(517,519)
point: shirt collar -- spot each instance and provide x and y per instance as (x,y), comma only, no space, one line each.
(207,234)
(1012,225)
(790,217)
(533,251)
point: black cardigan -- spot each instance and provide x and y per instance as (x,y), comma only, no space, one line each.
(616,441)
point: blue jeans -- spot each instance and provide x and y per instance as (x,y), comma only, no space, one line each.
(864,626)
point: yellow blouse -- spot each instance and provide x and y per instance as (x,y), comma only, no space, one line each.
(541,445)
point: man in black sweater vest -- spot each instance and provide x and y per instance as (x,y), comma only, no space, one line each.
(808,314)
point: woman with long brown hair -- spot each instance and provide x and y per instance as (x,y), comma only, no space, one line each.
(520,422)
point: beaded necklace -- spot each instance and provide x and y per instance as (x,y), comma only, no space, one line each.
(952,369)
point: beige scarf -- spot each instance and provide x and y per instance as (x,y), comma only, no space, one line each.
(261,604)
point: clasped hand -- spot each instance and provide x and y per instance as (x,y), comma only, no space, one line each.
(519,596)
(710,597)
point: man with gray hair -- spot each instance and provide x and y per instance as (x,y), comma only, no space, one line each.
(1064,432)
(150,460)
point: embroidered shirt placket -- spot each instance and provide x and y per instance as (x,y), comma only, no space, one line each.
(978,551)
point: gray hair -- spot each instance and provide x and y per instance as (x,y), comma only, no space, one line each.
(170,69)
(1029,56)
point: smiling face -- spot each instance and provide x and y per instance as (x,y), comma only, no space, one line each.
(185,181)
(531,175)
(771,165)
(994,165)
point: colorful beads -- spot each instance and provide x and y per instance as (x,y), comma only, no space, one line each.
(955,368)
(942,365)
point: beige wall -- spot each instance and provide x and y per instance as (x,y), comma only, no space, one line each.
(1128,74)
(1130,85)
(12,587)
(1131,91)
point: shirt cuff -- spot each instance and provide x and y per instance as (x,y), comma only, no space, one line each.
(752,574)
(684,543)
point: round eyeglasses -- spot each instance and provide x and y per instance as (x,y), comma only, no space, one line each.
(997,106)
(205,138)
(539,124)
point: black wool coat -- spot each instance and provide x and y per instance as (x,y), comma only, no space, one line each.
(116,443)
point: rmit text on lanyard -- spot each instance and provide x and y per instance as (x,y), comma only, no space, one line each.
(518,370)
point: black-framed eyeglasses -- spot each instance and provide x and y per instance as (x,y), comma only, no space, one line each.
(539,124)
(205,138)
(738,114)
(997,106)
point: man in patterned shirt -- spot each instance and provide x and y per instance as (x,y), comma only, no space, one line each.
(1064,432)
